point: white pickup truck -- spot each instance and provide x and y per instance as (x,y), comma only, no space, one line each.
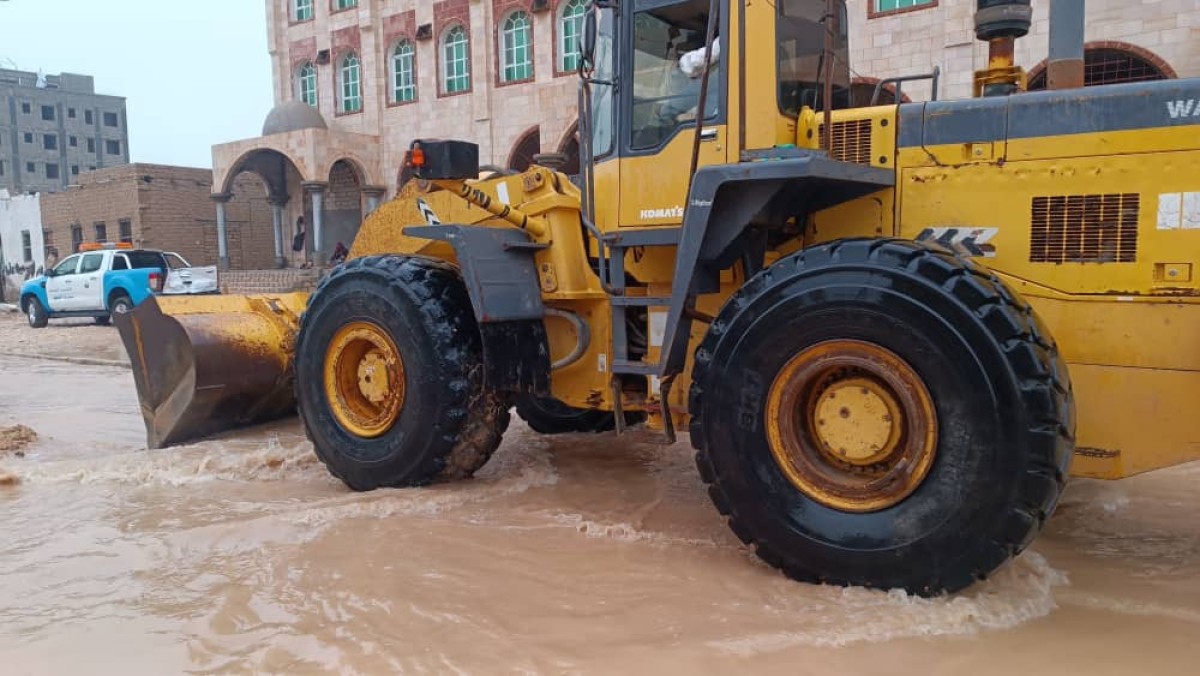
(106,279)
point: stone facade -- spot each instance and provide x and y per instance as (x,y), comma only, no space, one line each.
(491,113)
(161,207)
(941,33)
(55,128)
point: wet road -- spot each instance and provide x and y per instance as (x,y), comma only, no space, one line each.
(566,554)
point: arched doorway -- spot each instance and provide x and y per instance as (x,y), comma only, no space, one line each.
(570,147)
(343,206)
(862,89)
(1111,62)
(251,230)
(530,144)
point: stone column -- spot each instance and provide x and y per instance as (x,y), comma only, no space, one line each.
(277,205)
(222,229)
(317,190)
(374,195)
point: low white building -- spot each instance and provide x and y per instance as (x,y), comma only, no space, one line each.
(22,250)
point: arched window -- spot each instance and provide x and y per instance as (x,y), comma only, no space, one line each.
(349,77)
(516,53)
(570,32)
(404,81)
(303,9)
(306,84)
(456,64)
(1111,64)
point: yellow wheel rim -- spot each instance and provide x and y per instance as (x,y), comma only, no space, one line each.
(851,425)
(364,379)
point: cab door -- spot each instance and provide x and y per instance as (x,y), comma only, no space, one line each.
(60,284)
(659,108)
(89,285)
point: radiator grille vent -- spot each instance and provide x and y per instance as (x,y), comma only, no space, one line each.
(1084,228)
(851,141)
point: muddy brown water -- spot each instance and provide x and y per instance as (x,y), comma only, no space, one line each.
(575,554)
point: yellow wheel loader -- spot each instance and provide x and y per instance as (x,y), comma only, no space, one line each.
(864,317)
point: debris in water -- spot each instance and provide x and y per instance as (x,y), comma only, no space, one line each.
(16,437)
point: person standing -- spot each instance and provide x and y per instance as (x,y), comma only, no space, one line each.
(298,243)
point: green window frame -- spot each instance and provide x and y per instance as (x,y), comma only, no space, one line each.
(350,78)
(404,82)
(346,4)
(304,10)
(570,32)
(306,84)
(517,48)
(884,6)
(456,65)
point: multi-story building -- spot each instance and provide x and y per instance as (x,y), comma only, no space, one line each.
(375,74)
(54,128)
(357,80)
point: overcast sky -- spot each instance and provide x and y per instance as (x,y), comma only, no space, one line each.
(194,72)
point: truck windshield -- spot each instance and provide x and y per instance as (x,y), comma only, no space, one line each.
(145,259)
(800,36)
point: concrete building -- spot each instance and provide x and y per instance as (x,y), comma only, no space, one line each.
(375,74)
(22,254)
(1124,42)
(55,128)
(160,207)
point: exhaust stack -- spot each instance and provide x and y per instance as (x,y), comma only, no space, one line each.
(999,23)
(1064,69)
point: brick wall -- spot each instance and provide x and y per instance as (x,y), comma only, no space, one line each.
(169,208)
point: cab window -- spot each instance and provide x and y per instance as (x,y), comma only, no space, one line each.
(146,259)
(175,261)
(120,262)
(67,267)
(668,70)
(91,262)
(800,49)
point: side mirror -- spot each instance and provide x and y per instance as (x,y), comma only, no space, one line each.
(587,48)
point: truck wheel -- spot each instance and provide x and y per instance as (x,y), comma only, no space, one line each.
(547,415)
(878,413)
(389,380)
(120,304)
(35,313)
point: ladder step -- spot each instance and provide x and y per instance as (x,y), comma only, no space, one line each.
(641,301)
(632,367)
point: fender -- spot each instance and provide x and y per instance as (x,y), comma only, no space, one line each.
(501,278)
(36,287)
(134,283)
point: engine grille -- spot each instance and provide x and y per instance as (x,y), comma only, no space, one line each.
(1084,228)
(851,141)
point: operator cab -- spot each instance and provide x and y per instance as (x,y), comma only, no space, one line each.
(646,73)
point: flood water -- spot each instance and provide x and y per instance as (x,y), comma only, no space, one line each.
(573,554)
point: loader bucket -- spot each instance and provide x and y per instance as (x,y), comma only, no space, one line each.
(204,364)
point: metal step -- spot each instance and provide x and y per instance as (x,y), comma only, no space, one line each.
(640,301)
(632,367)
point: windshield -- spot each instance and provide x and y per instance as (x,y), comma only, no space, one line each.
(800,36)
(603,110)
(669,69)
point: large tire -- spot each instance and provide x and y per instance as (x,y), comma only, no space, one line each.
(448,424)
(1000,400)
(547,415)
(35,314)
